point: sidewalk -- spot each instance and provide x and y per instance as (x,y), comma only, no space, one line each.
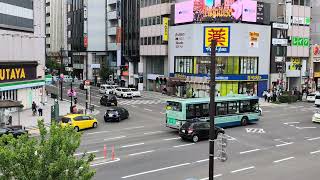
(31,122)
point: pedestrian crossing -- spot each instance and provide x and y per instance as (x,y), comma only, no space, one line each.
(137,102)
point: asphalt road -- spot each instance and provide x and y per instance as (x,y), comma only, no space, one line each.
(283,144)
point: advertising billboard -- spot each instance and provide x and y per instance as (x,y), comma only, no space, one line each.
(17,72)
(222,36)
(221,11)
(183,12)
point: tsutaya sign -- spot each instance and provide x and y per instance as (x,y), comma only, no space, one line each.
(11,73)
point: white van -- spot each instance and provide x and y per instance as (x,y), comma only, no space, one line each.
(317,100)
(105,89)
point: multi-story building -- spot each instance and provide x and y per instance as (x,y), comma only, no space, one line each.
(22,57)
(86,31)
(113,34)
(130,36)
(315,48)
(56,21)
(154,23)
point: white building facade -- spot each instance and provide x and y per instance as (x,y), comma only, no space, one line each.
(22,57)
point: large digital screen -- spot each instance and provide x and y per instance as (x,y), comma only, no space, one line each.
(219,11)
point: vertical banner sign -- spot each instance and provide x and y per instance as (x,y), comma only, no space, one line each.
(222,36)
(165,21)
(85,40)
(253,39)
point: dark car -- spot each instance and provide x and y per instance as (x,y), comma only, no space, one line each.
(116,114)
(108,100)
(197,130)
(14,130)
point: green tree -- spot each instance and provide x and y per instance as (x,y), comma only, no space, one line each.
(52,64)
(105,72)
(51,156)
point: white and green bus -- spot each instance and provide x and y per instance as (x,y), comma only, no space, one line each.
(230,110)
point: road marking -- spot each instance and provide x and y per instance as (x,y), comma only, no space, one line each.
(147,109)
(98,132)
(119,137)
(255,130)
(155,132)
(284,144)
(243,169)
(133,106)
(145,152)
(285,159)
(132,145)
(97,158)
(253,150)
(315,152)
(287,123)
(203,160)
(306,127)
(89,152)
(97,106)
(169,139)
(183,145)
(218,175)
(155,170)
(107,162)
(312,139)
(130,128)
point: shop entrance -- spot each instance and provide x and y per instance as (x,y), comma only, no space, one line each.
(248,87)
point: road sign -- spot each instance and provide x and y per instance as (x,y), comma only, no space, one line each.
(69,69)
(255,130)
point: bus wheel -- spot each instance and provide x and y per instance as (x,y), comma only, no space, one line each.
(244,121)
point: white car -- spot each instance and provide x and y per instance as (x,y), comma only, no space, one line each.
(123,92)
(316,117)
(67,78)
(135,92)
(105,89)
(311,97)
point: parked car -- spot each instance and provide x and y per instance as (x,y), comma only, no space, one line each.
(316,117)
(116,114)
(79,121)
(198,130)
(108,100)
(311,97)
(105,89)
(114,87)
(123,92)
(135,92)
(16,131)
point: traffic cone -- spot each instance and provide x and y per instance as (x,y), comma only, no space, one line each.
(113,154)
(105,151)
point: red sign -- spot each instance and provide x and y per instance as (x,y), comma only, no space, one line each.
(85,40)
(118,36)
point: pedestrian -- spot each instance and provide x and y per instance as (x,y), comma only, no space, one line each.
(40,109)
(218,94)
(268,95)
(274,96)
(34,108)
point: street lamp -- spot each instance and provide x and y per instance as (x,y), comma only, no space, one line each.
(212,107)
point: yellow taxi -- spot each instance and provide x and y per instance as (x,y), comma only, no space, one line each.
(79,121)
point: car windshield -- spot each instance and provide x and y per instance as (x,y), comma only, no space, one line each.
(126,90)
(65,120)
(112,111)
(133,89)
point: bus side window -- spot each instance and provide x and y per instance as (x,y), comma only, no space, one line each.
(198,110)
(221,109)
(190,111)
(245,106)
(205,110)
(232,108)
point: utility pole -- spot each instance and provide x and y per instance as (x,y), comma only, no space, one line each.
(86,79)
(61,70)
(212,107)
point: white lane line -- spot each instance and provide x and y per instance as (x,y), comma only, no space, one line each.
(203,160)
(89,152)
(284,144)
(312,139)
(97,106)
(133,106)
(215,176)
(145,152)
(132,145)
(107,162)
(162,113)
(154,132)
(183,145)
(243,169)
(119,137)
(249,151)
(98,132)
(315,152)
(287,123)
(285,159)
(147,109)
(155,170)
(306,127)
(169,139)
(130,128)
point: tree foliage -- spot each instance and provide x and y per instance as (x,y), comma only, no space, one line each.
(105,72)
(52,64)
(50,156)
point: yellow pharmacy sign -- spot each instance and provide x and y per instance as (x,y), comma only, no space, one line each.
(221,34)
(165,21)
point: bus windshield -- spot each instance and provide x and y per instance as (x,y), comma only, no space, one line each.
(174,106)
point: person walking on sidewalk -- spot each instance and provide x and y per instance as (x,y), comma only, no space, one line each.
(269,95)
(40,109)
(264,94)
(34,108)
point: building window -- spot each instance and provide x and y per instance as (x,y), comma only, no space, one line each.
(158,20)
(149,21)
(141,22)
(158,40)
(149,40)
(248,65)
(184,65)
(9,95)
(153,40)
